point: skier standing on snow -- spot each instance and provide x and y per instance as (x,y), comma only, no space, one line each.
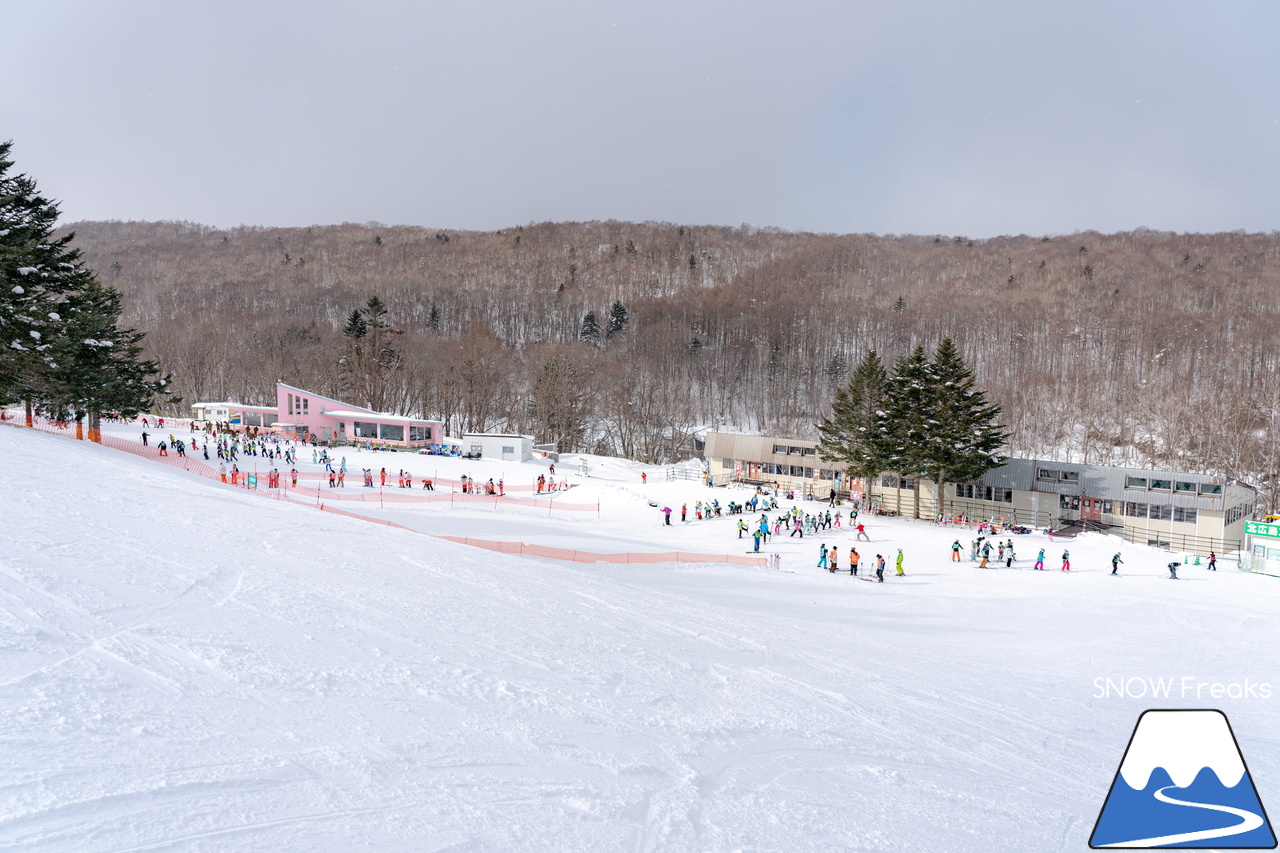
(756,536)
(1040,561)
(901,573)
(822,558)
(854,559)
(1173,570)
(1213,562)
(955,551)
(834,562)
(862,534)
(880,568)
(1115,562)
(1066,561)
(666,511)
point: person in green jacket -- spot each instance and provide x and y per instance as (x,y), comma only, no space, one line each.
(901,573)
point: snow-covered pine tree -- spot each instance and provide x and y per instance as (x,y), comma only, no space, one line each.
(38,274)
(617,320)
(590,331)
(96,365)
(844,434)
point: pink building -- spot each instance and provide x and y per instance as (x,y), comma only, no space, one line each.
(301,413)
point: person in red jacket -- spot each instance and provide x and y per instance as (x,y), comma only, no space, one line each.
(384,476)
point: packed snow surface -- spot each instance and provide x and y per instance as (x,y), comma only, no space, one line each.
(187,666)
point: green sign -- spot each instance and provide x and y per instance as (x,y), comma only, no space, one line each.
(253,481)
(1258,528)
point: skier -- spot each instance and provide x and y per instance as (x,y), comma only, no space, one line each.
(756,536)
(644,478)
(1115,562)
(862,533)
(986,555)
(294,475)
(879,568)
(822,558)
(955,551)
(834,562)
(384,477)
(684,512)
(854,559)
(742,528)
(163,450)
(666,511)
(1173,570)
(1213,562)
(901,573)
(1008,553)
(1040,561)
(144,438)
(1066,561)
(222,471)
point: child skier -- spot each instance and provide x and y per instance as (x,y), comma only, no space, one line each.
(1040,561)
(901,573)
(1066,561)
(1115,562)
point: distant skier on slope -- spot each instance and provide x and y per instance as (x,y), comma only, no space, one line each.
(1115,563)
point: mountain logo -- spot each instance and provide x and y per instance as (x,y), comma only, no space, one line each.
(1183,783)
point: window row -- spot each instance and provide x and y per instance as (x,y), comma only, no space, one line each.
(984,493)
(1053,475)
(1178,487)
(1158,512)
(1236,513)
(770,469)
(298,405)
(792,450)
(891,482)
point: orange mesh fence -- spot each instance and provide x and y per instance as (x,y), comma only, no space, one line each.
(362,494)
(199,468)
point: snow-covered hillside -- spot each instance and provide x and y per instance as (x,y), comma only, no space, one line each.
(185,666)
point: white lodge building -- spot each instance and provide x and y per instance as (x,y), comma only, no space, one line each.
(1184,512)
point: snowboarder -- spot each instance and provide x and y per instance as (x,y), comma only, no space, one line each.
(1115,563)
(901,573)
(1173,570)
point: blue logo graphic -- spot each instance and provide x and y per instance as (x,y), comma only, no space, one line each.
(1183,783)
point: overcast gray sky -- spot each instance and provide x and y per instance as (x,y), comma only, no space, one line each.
(977,118)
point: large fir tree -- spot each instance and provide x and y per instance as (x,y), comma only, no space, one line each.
(60,345)
(845,433)
(617,320)
(969,436)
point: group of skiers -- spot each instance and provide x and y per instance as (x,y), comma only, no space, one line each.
(830,560)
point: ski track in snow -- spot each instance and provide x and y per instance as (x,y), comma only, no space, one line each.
(184,666)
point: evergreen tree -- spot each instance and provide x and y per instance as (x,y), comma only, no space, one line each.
(433,319)
(617,320)
(968,437)
(902,439)
(369,357)
(837,367)
(60,347)
(845,434)
(98,366)
(590,331)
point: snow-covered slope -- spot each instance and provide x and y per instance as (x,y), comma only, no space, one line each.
(184,666)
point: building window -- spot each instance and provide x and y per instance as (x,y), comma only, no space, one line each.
(393,432)
(1161,513)
(506,449)
(1047,474)
(780,448)
(1135,482)
(364,430)
(1187,516)
(889,482)
(1162,485)
(304,405)
(1210,489)
(808,451)
(1135,510)
(1184,488)
(1069,476)
(419,433)
(908,483)
(291,404)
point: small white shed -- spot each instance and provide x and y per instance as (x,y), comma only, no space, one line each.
(508,447)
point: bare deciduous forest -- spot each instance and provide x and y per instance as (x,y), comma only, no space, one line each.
(1102,348)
